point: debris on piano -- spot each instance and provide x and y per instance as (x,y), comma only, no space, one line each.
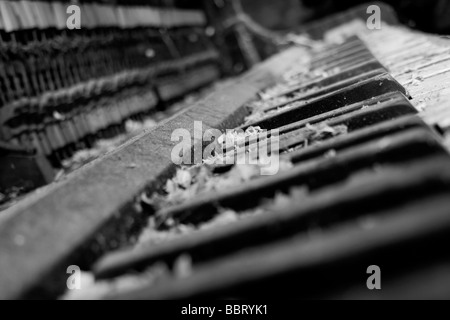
(354,122)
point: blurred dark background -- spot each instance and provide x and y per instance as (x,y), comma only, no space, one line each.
(426,15)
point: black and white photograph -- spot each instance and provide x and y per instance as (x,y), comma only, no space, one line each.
(222,154)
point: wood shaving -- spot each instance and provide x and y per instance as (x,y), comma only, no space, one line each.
(283,201)
(190,182)
(183,266)
(92,290)
(322,131)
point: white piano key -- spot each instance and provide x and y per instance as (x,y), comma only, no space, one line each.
(10,21)
(60,14)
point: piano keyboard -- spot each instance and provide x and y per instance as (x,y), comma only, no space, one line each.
(363,181)
(350,201)
(62,88)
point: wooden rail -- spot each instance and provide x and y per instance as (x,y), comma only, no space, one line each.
(40,237)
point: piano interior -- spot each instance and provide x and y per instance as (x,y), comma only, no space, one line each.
(226,149)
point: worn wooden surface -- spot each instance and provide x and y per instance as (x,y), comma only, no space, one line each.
(39,236)
(264,267)
(209,244)
(418,61)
